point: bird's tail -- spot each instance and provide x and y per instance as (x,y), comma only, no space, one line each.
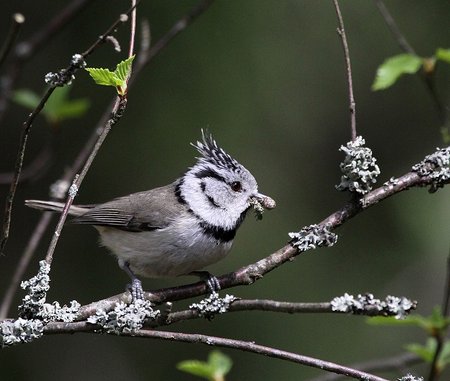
(54,206)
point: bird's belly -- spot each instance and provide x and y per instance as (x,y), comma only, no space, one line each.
(164,252)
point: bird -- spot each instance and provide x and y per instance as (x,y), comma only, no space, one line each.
(180,228)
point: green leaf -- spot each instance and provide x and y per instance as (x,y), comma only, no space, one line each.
(393,68)
(103,77)
(220,363)
(443,54)
(58,106)
(26,98)
(117,78)
(123,68)
(197,368)
(425,352)
(215,369)
(411,320)
(444,358)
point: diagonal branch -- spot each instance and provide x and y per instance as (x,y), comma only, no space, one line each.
(249,274)
(246,346)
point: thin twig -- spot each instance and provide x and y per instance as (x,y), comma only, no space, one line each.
(398,363)
(352,105)
(16,22)
(18,168)
(248,305)
(393,27)
(246,346)
(132,28)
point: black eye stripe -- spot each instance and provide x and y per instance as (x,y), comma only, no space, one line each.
(208,172)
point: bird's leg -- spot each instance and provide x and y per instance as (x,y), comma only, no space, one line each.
(135,287)
(211,281)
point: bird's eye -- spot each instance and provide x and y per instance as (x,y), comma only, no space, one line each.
(236,186)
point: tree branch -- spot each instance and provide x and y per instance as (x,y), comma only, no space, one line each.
(352,104)
(246,346)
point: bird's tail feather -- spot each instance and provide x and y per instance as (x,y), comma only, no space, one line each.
(54,206)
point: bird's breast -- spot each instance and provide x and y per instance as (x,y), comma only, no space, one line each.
(178,249)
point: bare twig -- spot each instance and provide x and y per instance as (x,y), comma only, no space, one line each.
(18,168)
(392,25)
(392,363)
(16,22)
(246,346)
(352,105)
(132,28)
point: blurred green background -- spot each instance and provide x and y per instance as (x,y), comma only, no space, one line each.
(267,78)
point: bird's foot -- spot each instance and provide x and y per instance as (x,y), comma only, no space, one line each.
(135,288)
(211,281)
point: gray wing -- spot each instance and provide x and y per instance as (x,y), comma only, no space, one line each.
(143,211)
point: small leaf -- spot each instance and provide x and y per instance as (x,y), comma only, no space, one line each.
(58,106)
(411,320)
(117,78)
(220,363)
(215,369)
(444,358)
(393,68)
(425,352)
(123,68)
(26,98)
(103,77)
(197,368)
(443,54)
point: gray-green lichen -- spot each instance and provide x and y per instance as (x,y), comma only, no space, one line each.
(395,306)
(34,312)
(20,331)
(127,318)
(313,236)
(359,168)
(436,166)
(36,292)
(213,305)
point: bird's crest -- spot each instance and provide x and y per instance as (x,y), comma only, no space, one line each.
(212,153)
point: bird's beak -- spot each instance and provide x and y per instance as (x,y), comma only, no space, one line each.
(264,201)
